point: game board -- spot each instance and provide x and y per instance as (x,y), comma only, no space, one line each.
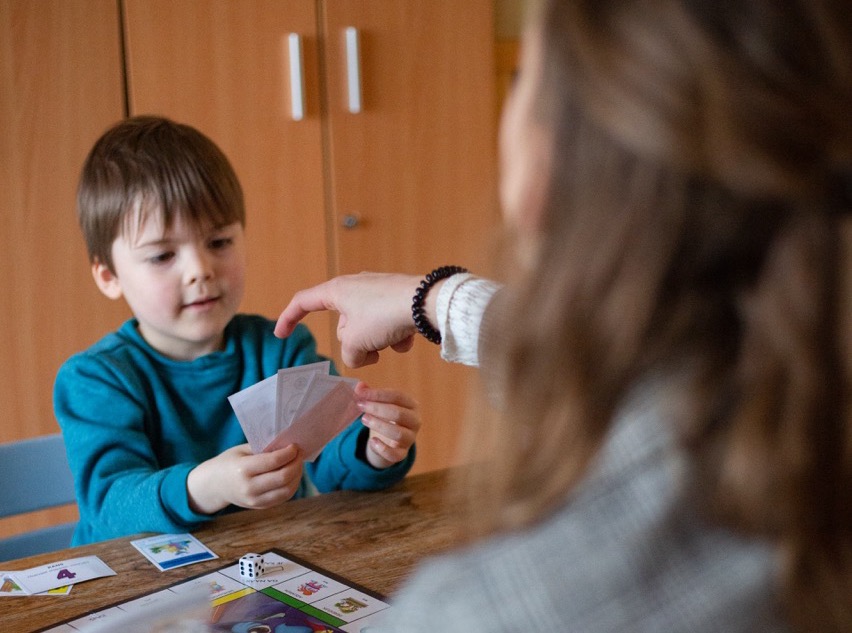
(296,597)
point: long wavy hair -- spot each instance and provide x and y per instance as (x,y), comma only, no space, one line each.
(695,225)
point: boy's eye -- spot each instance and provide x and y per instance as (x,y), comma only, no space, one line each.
(161,258)
(221,242)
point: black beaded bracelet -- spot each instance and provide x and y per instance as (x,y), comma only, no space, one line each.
(417,312)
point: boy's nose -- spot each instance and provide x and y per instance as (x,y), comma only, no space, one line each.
(199,268)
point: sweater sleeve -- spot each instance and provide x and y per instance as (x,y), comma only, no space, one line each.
(342,464)
(461,306)
(120,487)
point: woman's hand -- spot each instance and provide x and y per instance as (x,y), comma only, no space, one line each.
(375,313)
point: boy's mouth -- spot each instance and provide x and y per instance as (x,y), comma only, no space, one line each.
(203,302)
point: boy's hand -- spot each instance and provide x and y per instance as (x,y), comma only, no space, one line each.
(393,419)
(239,477)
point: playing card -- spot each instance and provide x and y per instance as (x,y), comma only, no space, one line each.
(316,426)
(61,573)
(9,587)
(255,410)
(292,385)
(320,387)
(168,551)
(302,405)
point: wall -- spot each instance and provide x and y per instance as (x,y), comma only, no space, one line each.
(509,17)
(41,325)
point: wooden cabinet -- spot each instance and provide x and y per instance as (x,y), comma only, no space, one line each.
(60,86)
(223,67)
(405,184)
(416,168)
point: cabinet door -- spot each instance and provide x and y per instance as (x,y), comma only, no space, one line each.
(415,168)
(60,87)
(223,67)
(413,173)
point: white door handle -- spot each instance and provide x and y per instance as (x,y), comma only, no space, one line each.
(353,69)
(297,77)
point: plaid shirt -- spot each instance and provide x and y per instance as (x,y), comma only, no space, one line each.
(629,551)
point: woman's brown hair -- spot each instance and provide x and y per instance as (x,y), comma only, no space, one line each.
(694,228)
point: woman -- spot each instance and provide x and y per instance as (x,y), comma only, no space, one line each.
(671,352)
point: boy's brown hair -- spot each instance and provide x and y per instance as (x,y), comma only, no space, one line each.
(153,164)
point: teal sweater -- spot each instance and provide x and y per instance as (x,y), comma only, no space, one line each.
(135,423)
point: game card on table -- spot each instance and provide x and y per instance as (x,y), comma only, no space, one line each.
(44,578)
(168,551)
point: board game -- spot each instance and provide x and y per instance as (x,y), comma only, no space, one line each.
(291,596)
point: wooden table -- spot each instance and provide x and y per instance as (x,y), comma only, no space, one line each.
(371,538)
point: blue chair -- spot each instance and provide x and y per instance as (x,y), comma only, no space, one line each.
(34,475)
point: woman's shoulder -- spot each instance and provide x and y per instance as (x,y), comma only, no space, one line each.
(629,535)
(568,573)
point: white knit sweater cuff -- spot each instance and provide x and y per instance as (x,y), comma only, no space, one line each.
(461,303)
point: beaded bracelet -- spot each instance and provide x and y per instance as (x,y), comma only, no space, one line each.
(417,312)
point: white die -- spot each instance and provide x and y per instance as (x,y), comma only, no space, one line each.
(251,566)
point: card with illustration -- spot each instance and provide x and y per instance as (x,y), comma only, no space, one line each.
(9,586)
(53,578)
(302,405)
(294,595)
(168,551)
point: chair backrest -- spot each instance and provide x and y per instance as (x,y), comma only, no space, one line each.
(34,475)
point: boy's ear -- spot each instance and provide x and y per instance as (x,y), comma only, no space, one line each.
(106,280)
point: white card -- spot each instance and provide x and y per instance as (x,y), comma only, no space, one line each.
(320,388)
(293,385)
(8,587)
(168,551)
(255,410)
(328,416)
(302,405)
(61,573)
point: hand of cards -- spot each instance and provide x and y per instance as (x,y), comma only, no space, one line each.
(299,405)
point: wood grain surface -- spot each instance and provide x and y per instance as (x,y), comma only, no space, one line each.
(374,539)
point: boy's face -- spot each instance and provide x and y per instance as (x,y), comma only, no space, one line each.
(183,284)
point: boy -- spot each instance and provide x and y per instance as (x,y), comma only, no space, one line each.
(152,440)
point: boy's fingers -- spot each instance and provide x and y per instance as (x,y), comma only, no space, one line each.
(391,432)
(274,460)
(367,395)
(399,417)
(384,451)
(394,436)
